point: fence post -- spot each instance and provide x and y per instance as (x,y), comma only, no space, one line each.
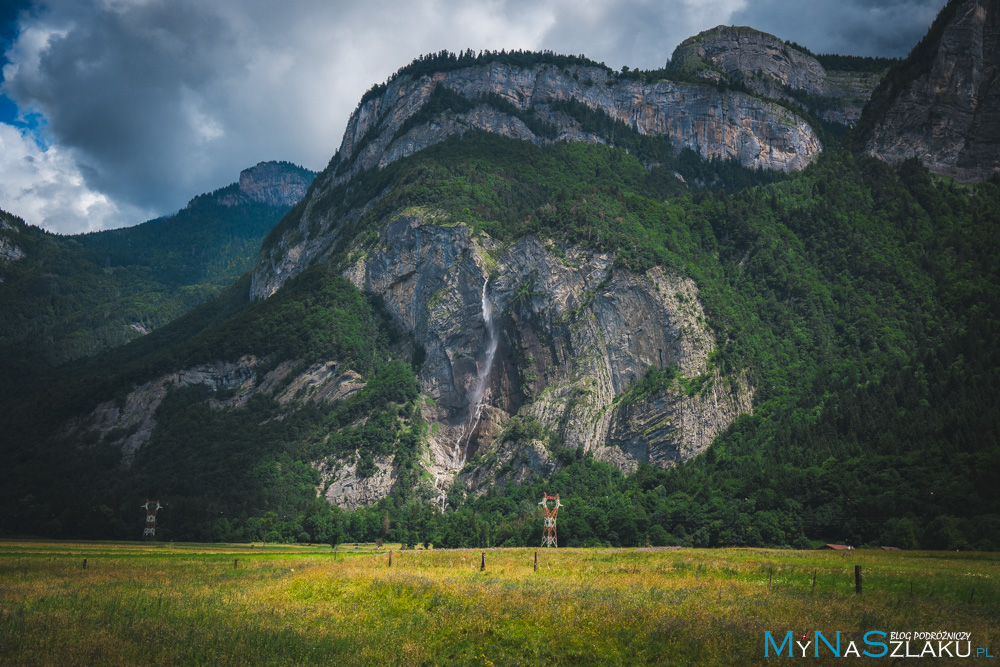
(857,579)
(235,561)
(814,582)
(390,559)
(482,567)
(536,561)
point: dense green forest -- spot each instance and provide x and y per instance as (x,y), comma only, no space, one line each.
(861,299)
(72,297)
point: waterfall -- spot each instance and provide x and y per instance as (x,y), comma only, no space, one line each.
(477,397)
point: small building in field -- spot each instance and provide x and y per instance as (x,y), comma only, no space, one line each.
(837,547)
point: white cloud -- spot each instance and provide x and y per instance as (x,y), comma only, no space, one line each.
(45,188)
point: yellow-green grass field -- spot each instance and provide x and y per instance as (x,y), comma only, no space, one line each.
(138,603)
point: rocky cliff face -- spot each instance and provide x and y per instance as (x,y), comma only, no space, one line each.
(771,68)
(271,183)
(572,335)
(130,422)
(712,122)
(942,105)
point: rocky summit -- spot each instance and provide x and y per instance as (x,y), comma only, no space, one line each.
(773,68)
(272,183)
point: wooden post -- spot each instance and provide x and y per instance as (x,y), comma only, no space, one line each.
(482,567)
(814,582)
(857,579)
(697,572)
(390,559)
(84,563)
(770,573)
(973,596)
(536,561)
(235,561)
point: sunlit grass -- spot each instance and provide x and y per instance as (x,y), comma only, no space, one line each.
(169,604)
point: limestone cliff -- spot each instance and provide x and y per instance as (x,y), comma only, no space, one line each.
(713,122)
(770,67)
(573,335)
(701,117)
(942,105)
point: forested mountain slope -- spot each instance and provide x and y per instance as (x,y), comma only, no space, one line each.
(66,297)
(687,350)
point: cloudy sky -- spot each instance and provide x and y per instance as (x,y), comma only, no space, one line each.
(117,111)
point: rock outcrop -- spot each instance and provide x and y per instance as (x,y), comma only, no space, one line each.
(9,251)
(343,486)
(130,422)
(271,183)
(575,334)
(770,67)
(942,105)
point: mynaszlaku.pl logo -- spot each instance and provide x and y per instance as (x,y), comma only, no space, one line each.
(873,644)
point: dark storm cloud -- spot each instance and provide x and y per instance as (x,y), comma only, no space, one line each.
(130,92)
(851,27)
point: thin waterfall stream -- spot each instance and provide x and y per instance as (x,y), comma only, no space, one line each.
(477,398)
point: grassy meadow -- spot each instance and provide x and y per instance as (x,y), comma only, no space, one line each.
(151,603)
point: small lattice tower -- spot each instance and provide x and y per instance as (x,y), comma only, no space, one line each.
(549,532)
(151,511)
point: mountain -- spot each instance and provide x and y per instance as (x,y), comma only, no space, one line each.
(66,297)
(544,99)
(525,272)
(942,104)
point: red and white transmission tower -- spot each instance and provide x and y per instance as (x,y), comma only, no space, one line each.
(150,530)
(549,533)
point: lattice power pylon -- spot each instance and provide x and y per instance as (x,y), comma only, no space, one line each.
(150,530)
(549,533)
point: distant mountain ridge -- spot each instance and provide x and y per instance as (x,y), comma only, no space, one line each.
(65,297)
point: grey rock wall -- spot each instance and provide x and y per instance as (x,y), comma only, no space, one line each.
(948,117)
(772,68)
(575,334)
